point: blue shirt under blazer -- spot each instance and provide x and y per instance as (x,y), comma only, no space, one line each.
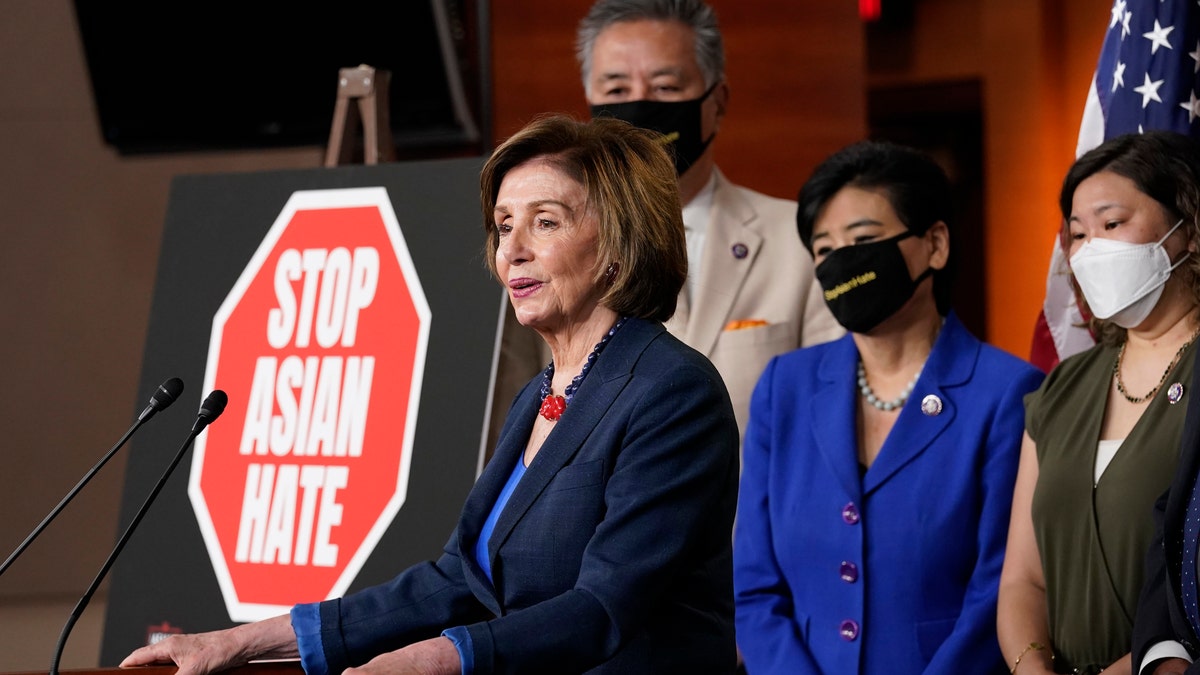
(613,552)
(895,570)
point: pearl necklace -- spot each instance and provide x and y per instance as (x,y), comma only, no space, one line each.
(1150,394)
(894,404)
(553,406)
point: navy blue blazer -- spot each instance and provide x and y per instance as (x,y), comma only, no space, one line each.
(1160,615)
(896,569)
(613,554)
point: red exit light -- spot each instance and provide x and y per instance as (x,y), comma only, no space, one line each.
(870,10)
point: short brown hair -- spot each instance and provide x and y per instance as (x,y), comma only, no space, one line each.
(631,187)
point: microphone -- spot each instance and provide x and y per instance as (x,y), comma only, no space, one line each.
(210,410)
(164,396)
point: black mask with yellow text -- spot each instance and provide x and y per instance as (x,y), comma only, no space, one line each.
(865,284)
(678,121)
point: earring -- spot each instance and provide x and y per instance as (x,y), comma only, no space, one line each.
(610,274)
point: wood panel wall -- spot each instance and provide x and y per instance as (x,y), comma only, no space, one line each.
(796,71)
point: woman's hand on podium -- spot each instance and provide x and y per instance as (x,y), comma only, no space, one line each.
(436,656)
(204,653)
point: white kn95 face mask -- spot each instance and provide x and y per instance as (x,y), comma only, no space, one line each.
(1121,281)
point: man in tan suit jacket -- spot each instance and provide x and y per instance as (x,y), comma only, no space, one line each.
(756,294)
(751,292)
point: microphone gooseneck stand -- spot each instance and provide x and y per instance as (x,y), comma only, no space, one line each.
(212,407)
(164,396)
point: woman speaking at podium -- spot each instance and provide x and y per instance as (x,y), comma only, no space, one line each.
(598,537)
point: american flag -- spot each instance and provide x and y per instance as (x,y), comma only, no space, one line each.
(1147,77)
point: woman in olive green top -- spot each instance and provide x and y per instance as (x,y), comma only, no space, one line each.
(1102,433)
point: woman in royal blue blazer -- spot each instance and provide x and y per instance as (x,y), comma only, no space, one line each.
(597,538)
(878,468)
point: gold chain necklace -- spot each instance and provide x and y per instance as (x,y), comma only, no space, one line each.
(1161,381)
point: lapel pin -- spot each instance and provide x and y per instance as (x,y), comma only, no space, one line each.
(740,251)
(931,405)
(1175,393)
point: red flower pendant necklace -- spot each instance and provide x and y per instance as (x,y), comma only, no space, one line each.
(553,406)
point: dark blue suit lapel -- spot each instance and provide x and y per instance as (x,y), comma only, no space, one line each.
(509,449)
(1189,460)
(833,408)
(950,364)
(1177,500)
(596,395)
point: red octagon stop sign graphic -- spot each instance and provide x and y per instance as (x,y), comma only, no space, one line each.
(321,347)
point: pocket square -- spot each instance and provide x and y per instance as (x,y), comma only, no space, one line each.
(739,324)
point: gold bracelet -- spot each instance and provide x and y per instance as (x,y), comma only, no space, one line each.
(1035,646)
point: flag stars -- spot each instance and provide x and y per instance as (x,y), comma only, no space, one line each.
(1158,37)
(1119,76)
(1149,91)
(1193,108)
(1196,57)
(1125,23)
(1118,11)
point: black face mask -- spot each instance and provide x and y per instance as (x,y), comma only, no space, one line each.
(865,284)
(678,121)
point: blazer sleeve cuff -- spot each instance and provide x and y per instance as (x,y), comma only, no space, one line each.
(460,637)
(306,623)
(483,648)
(1163,650)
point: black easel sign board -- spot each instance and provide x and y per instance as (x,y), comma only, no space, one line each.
(349,316)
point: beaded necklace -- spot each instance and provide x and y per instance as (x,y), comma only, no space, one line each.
(553,406)
(869,394)
(1162,380)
